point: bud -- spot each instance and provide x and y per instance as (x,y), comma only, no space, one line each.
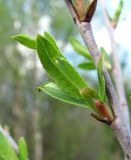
(80,8)
(85,9)
(90,11)
(104,111)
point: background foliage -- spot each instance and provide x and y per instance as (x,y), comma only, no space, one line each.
(53,130)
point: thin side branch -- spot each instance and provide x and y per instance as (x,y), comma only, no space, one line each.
(10,139)
(117,73)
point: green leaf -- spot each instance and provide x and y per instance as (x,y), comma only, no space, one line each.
(25,40)
(62,72)
(118,12)
(46,52)
(101,78)
(90,96)
(103,51)
(6,150)
(87,65)
(54,91)
(70,73)
(64,66)
(80,49)
(107,58)
(51,39)
(23,153)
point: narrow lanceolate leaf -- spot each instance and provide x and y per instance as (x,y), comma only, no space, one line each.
(70,73)
(25,40)
(117,13)
(47,53)
(54,91)
(64,66)
(87,66)
(107,59)
(6,150)
(106,55)
(51,39)
(23,153)
(79,48)
(101,78)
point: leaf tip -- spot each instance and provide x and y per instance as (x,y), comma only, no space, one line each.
(47,34)
(38,36)
(39,89)
(15,37)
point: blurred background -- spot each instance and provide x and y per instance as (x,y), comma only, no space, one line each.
(54,130)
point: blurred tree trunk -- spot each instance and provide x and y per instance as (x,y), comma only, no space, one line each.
(38,148)
(38,145)
(17,112)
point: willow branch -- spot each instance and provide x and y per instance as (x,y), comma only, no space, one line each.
(117,72)
(86,32)
(119,126)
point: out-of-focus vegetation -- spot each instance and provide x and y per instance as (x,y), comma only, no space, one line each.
(53,130)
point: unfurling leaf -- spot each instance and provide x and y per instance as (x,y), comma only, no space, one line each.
(25,40)
(101,78)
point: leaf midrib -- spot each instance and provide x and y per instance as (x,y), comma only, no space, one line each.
(60,69)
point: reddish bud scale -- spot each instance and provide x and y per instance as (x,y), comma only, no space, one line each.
(80,7)
(91,10)
(104,111)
